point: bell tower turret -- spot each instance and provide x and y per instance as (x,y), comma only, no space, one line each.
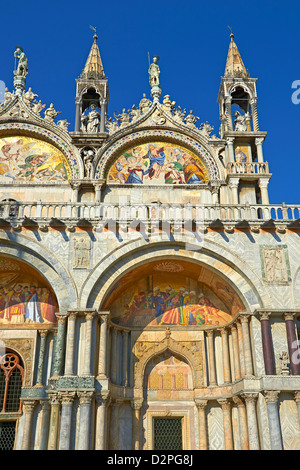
(247,172)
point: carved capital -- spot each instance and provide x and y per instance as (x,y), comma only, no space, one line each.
(271,396)
(288,316)
(85,397)
(201,404)
(67,398)
(265,316)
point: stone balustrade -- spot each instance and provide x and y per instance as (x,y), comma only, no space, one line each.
(248,168)
(70,214)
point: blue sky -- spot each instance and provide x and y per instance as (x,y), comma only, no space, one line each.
(191,38)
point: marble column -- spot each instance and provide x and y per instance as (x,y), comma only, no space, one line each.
(267,343)
(211,357)
(250,400)
(241,348)
(89,317)
(114,425)
(59,347)
(297,400)
(125,358)
(201,406)
(44,424)
(230,142)
(234,189)
(102,116)
(225,355)
(274,419)
(114,361)
(78,115)
(70,347)
(247,345)
(102,362)
(54,421)
(28,409)
(263,185)
(236,353)
(102,400)
(67,401)
(243,428)
(228,113)
(259,141)
(85,416)
(253,103)
(136,424)
(227,423)
(40,367)
(292,341)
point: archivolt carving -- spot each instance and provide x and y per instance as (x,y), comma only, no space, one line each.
(144,351)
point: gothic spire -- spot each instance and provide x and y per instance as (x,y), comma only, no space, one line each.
(234,64)
(93,68)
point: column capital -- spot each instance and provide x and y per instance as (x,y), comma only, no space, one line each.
(209,333)
(43,333)
(244,318)
(201,404)
(271,396)
(264,316)
(61,317)
(225,403)
(103,397)
(29,405)
(289,316)
(297,396)
(85,397)
(238,401)
(136,404)
(259,140)
(67,398)
(90,315)
(250,397)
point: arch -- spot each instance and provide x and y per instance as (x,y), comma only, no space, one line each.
(46,264)
(215,257)
(192,356)
(108,154)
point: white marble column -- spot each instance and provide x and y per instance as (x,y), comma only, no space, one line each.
(44,424)
(102,401)
(211,358)
(201,406)
(225,355)
(114,425)
(271,397)
(102,363)
(125,358)
(67,400)
(247,345)
(263,185)
(250,400)
(54,421)
(69,359)
(28,409)
(88,343)
(236,353)
(243,428)
(227,423)
(85,416)
(136,424)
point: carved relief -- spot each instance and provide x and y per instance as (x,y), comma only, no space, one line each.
(275,265)
(81,252)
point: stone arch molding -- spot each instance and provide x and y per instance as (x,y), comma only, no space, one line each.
(108,154)
(190,352)
(47,266)
(213,256)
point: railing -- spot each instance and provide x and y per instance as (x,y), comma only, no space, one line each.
(248,168)
(172,213)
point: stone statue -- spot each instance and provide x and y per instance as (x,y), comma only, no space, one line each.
(284,357)
(37,107)
(123,118)
(29,97)
(134,113)
(88,160)
(190,119)
(63,124)
(22,69)
(154,72)
(112,126)
(240,122)
(179,114)
(168,105)
(81,253)
(145,104)
(93,120)
(8,96)
(51,114)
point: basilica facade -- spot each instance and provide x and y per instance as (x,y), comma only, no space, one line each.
(149,292)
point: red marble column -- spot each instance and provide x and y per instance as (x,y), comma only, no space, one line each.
(267,344)
(292,343)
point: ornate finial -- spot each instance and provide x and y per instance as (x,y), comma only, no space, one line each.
(95,31)
(231,33)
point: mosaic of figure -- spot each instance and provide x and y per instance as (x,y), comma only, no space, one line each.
(172,297)
(158,163)
(26,159)
(24,299)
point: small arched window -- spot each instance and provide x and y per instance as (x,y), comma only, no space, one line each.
(11,380)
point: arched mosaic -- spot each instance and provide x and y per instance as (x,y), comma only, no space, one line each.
(158,163)
(26,299)
(172,293)
(163,139)
(25,158)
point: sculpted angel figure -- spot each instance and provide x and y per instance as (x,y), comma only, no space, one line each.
(190,119)
(28,97)
(93,121)
(51,114)
(38,106)
(145,104)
